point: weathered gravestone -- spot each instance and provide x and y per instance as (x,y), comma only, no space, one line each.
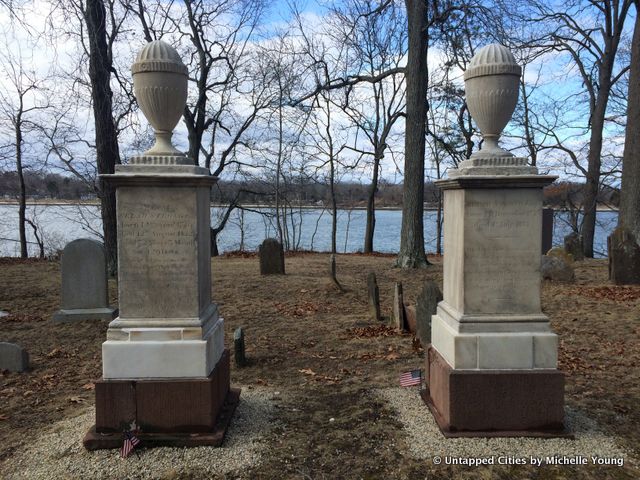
(13,357)
(624,257)
(556,268)
(84,283)
(426,306)
(271,257)
(373,292)
(547,229)
(238,347)
(410,317)
(573,246)
(399,319)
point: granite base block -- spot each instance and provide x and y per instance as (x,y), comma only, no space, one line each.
(213,438)
(177,412)
(486,403)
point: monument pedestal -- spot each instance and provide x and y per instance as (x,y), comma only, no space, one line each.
(165,366)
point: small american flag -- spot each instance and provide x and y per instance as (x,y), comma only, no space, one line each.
(130,443)
(408,379)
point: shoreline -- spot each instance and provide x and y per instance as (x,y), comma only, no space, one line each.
(430,208)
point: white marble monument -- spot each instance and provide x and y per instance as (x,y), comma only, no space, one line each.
(168,341)
(491,343)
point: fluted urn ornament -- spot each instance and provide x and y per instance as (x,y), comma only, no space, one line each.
(160,86)
(492,86)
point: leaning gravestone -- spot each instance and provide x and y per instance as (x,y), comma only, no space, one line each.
(13,357)
(399,319)
(84,283)
(573,245)
(373,292)
(271,257)
(624,257)
(238,347)
(426,306)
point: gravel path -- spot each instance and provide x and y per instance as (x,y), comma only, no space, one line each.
(426,442)
(59,453)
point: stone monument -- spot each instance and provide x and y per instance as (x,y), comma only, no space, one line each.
(492,365)
(84,283)
(164,363)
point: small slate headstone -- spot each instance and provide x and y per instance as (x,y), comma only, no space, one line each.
(84,283)
(573,246)
(547,229)
(238,347)
(271,257)
(624,257)
(399,319)
(426,306)
(373,292)
(556,268)
(13,357)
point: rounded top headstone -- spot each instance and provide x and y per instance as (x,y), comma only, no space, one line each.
(493,59)
(158,56)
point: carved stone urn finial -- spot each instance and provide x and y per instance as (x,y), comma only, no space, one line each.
(492,85)
(160,86)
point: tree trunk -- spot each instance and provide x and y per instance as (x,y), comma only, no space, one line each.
(411,253)
(334,206)
(629,215)
(592,186)
(214,242)
(22,199)
(107,152)
(371,207)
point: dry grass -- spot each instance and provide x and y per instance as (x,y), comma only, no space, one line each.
(306,338)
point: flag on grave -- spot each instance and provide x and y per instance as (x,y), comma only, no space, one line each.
(408,379)
(130,443)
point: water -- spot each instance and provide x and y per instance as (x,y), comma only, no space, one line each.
(309,229)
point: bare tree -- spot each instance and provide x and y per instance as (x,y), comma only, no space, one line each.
(591,32)
(376,43)
(22,97)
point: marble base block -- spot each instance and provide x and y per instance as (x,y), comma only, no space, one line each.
(522,402)
(77,315)
(521,343)
(157,352)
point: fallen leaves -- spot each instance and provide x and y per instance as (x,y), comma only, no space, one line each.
(318,377)
(618,293)
(373,331)
(89,386)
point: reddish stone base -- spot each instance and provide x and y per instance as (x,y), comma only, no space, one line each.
(172,412)
(495,403)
